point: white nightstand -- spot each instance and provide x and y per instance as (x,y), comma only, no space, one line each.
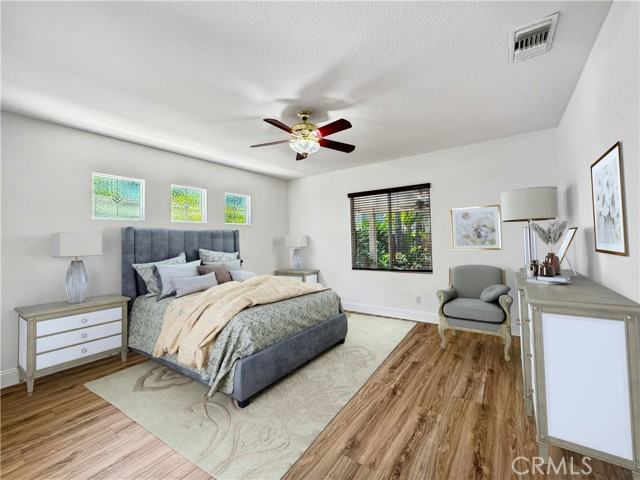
(299,275)
(57,336)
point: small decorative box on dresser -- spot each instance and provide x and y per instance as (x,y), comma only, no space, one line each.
(299,275)
(57,336)
(581,365)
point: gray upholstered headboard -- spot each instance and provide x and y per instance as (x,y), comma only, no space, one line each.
(143,245)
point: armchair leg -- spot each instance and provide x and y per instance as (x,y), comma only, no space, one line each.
(442,326)
(505,335)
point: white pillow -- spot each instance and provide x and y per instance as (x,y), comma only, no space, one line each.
(213,256)
(166,273)
(187,285)
(241,275)
(231,266)
(145,270)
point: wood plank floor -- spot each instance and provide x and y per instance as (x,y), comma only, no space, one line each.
(424,414)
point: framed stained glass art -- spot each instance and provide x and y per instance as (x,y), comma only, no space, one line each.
(117,198)
(188,204)
(237,209)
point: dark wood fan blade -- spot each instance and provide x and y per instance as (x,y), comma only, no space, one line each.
(334,127)
(278,123)
(300,156)
(343,147)
(270,143)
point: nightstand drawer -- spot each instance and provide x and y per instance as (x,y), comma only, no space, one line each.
(57,357)
(62,324)
(83,335)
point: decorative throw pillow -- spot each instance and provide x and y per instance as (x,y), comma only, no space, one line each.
(187,285)
(213,256)
(145,270)
(493,292)
(232,265)
(222,272)
(165,274)
(241,275)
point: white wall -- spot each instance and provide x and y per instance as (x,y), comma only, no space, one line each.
(472,175)
(46,188)
(604,109)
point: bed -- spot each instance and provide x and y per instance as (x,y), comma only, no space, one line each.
(258,346)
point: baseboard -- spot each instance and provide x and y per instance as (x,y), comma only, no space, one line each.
(9,377)
(404,313)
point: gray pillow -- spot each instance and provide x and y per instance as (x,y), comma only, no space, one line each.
(241,275)
(493,292)
(213,256)
(165,274)
(187,285)
(231,266)
(145,270)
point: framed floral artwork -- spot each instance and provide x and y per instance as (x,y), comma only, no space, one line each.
(608,204)
(476,228)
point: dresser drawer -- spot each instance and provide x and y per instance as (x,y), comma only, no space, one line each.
(62,324)
(56,357)
(83,335)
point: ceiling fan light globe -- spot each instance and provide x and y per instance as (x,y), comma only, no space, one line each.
(304,145)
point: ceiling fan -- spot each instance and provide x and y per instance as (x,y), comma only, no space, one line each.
(306,138)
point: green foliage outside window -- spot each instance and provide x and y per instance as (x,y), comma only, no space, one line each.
(391,231)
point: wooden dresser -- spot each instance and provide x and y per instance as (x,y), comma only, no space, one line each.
(581,367)
(56,336)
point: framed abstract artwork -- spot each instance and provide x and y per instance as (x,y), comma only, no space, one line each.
(237,209)
(188,204)
(117,198)
(608,203)
(476,228)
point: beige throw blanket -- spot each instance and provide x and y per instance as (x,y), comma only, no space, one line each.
(192,322)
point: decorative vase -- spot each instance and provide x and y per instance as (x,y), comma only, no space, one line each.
(554,261)
(546,270)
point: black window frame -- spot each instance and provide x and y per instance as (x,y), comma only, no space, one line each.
(405,249)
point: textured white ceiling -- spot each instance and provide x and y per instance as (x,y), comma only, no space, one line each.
(197,77)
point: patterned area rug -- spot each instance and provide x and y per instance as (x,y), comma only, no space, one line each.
(265,439)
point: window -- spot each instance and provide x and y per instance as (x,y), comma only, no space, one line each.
(237,209)
(391,229)
(188,204)
(117,198)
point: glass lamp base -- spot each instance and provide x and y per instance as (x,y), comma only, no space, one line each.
(77,282)
(296,260)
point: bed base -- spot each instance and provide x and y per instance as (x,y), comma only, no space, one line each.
(256,372)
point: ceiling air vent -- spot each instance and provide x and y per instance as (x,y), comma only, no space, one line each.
(532,39)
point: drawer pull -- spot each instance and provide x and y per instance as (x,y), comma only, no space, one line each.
(84,350)
(530,355)
(527,319)
(84,335)
(84,320)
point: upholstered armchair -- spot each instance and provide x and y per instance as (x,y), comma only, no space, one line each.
(476,301)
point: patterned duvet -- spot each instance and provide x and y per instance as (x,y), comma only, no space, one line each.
(248,332)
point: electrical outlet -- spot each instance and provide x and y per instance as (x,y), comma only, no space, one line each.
(418,299)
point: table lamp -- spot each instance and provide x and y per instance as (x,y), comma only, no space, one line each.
(296,242)
(75,244)
(526,205)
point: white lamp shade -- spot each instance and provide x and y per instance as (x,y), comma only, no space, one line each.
(76,244)
(537,203)
(296,241)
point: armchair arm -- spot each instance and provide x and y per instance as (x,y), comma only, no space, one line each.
(505,302)
(445,295)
